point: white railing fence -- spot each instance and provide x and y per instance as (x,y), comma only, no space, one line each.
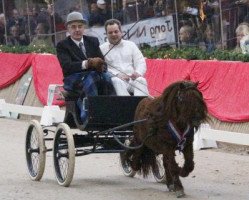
(49,114)
(206,137)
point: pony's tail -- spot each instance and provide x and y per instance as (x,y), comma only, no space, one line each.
(148,162)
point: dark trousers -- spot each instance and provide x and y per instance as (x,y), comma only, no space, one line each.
(90,83)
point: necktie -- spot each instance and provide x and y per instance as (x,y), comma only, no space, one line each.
(83,49)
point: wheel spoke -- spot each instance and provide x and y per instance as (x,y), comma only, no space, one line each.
(64,155)
(35,154)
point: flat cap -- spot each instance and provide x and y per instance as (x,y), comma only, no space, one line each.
(75,17)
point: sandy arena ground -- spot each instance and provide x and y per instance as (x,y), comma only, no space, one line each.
(217,175)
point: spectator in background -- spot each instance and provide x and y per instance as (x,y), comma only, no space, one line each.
(42,16)
(16,20)
(169,7)
(128,13)
(55,21)
(15,38)
(159,8)
(242,7)
(32,15)
(52,19)
(77,6)
(188,36)
(95,18)
(104,10)
(2,29)
(99,13)
(188,10)
(244,44)
(42,38)
(211,10)
(209,39)
(241,31)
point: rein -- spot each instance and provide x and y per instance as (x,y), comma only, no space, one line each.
(129,147)
(126,125)
(122,37)
(131,84)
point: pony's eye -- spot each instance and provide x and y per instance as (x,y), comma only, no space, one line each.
(180,99)
(179,96)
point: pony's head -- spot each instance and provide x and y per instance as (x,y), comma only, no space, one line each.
(183,103)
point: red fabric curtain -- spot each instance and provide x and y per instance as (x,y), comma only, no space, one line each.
(46,71)
(12,67)
(224,84)
(160,73)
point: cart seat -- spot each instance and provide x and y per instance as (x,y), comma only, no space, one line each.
(104,112)
(70,95)
(110,111)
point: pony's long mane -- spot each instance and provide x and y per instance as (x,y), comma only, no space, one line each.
(165,107)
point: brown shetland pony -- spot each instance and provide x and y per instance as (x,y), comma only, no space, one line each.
(181,108)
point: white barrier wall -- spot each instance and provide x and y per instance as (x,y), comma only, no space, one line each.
(49,114)
(204,138)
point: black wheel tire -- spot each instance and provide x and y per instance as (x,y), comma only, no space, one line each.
(64,155)
(126,168)
(35,150)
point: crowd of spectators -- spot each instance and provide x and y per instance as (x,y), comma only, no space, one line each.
(197,20)
(36,27)
(211,24)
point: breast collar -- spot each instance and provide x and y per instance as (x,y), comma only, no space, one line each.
(180,137)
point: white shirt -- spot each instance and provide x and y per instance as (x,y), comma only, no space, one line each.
(78,42)
(124,57)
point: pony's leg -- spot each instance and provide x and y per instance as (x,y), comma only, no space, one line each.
(169,178)
(143,160)
(132,156)
(173,170)
(136,159)
(188,163)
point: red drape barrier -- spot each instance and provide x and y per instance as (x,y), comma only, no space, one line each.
(160,73)
(46,70)
(224,84)
(12,67)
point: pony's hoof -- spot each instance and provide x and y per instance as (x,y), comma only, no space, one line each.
(171,188)
(180,193)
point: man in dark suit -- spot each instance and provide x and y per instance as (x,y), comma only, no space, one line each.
(81,59)
(82,62)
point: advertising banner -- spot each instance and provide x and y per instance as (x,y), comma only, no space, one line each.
(153,31)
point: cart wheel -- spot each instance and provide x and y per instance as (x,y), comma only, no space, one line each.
(159,174)
(64,155)
(126,168)
(35,150)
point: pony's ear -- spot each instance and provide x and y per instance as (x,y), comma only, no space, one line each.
(182,86)
(196,84)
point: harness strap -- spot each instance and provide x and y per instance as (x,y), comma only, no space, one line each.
(179,137)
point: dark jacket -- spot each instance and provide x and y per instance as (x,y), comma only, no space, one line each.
(70,55)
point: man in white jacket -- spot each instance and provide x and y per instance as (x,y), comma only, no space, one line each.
(125,62)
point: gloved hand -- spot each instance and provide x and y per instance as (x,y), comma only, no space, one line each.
(97,64)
